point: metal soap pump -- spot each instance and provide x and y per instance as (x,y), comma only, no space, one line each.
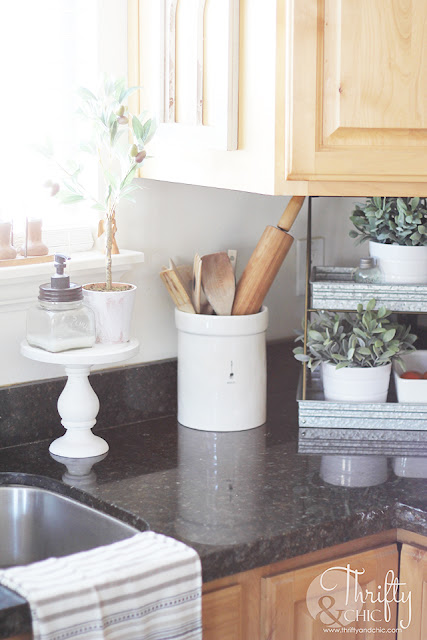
(60,321)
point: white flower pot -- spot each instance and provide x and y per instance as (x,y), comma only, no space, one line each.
(400,264)
(355,384)
(222,374)
(411,390)
(113,313)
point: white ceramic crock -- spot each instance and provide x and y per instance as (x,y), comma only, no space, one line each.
(222,374)
(113,313)
(355,384)
(400,264)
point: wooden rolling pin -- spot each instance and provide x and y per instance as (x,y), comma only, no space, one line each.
(265,262)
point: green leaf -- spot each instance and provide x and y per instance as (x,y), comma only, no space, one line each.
(415,237)
(301,357)
(98,207)
(315,335)
(389,335)
(128,92)
(371,304)
(364,351)
(129,177)
(86,94)
(145,131)
(70,198)
(137,128)
(341,365)
(401,206)
(113,132)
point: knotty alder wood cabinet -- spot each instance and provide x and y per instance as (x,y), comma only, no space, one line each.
(270,603)
(322,97)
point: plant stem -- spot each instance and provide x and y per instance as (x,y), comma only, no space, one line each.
(108,246)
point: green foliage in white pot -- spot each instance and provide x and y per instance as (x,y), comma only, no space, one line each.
(400,221)
(364,338)
(116,143)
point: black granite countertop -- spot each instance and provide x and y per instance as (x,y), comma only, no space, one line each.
(242,499)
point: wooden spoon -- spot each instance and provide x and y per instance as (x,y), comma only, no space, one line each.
(200,302)
(197,283)
(219,282)
(176,290)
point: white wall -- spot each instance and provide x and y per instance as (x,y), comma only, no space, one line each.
(172,220)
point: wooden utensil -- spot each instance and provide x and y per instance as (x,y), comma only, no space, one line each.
(197,282)
(176,290)
(199,299)
(265,262)
(185,275)
(218,282)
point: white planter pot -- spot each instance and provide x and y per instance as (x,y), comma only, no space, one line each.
(222,376)
(411,390)
(354,471)
(400,264)
(355,384)
(113,313)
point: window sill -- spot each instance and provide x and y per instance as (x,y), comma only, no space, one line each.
(19,285)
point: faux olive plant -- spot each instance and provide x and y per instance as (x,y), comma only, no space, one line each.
(387,220)
(111,125)
(364,338)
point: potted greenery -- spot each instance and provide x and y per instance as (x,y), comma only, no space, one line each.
(355,351)
(397,232)
(117,144)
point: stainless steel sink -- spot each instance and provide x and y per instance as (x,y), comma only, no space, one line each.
(36,524)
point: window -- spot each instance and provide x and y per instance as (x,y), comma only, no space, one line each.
(48,49)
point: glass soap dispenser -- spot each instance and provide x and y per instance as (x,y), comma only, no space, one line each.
(367,272)
(60,321)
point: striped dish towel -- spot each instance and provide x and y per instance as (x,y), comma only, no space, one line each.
(147,587)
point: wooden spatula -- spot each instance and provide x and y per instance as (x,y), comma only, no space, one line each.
(218,282)
(176,290)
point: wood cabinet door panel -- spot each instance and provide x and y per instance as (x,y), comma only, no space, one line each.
(359,90)
(413,576)
(222,614)
(284,610)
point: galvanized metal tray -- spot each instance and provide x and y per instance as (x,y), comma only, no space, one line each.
(333,288)
(386,442)
(315,412)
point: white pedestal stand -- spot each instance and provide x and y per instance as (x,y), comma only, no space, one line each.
(78,404)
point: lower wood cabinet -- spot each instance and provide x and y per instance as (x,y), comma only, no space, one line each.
(222,614)
(270,603)
(413,572)
(284,611)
